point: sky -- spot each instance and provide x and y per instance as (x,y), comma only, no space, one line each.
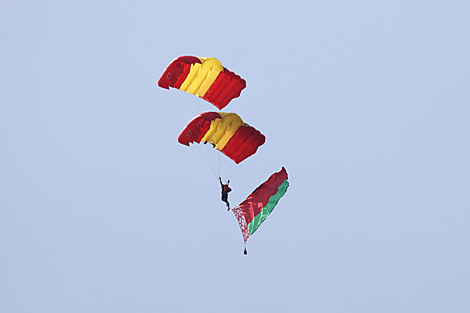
(365,103)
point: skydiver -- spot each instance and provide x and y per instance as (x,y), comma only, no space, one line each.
(225,190)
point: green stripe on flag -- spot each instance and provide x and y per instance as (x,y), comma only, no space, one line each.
(273,200)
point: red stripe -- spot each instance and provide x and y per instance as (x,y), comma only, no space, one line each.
(182,77)
(226,87)
(173,72)
(244,143)
(197,128)
(259,198)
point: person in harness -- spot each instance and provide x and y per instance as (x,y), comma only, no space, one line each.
(225,190)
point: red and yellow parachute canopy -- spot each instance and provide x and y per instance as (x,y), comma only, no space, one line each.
(226,132)
(203,77)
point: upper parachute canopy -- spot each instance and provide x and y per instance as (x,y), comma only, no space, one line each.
(226,132)
(203,77)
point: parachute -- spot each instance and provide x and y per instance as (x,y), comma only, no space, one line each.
(260,203)
(226,132)
(223,139)
(203,77)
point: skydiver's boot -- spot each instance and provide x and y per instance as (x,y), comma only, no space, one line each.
(228,206)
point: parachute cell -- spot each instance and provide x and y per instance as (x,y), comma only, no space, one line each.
(226,132)
(203,77)
(260,203)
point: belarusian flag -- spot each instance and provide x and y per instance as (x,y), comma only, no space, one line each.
(260,203)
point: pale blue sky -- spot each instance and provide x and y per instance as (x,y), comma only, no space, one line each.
(366,104)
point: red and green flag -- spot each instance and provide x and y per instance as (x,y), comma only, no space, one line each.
(260,203)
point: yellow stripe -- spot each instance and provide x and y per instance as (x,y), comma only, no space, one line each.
(192,74)
(233,123)
(212,130)
(222,129)
(202,76)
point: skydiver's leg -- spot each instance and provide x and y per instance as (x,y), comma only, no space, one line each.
(225,199)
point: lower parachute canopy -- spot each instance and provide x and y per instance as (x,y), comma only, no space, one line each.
(260,203)
(226,132)
(203,77)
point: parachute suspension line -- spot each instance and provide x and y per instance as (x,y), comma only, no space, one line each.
(194,104)
(227,166)
(199,107)
(223,166)
(211,155)
(206,159)
(232,172)
(183,97)
(219,165)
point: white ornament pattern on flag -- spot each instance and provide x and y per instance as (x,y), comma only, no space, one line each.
(242,222)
